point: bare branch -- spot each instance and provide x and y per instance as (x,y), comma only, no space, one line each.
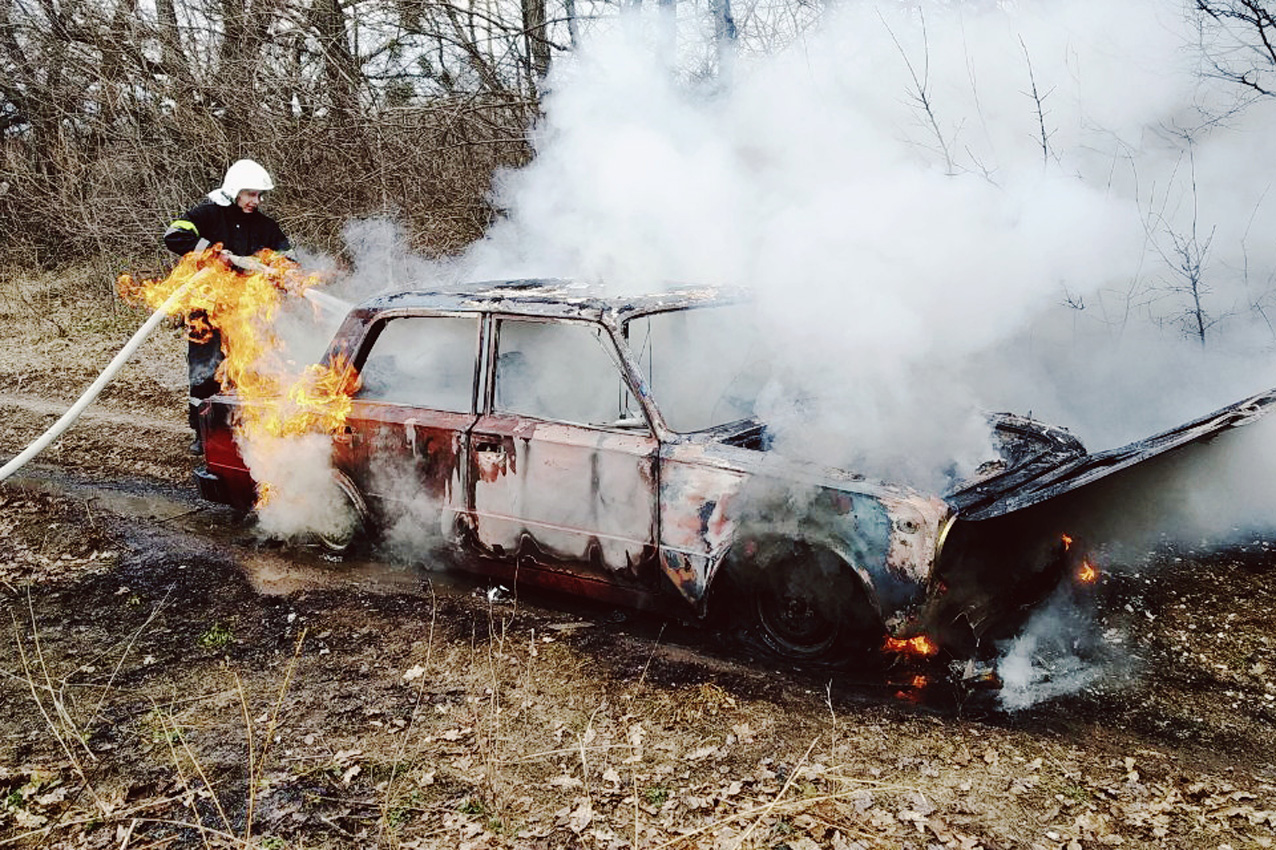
(1038,101)
(921,89)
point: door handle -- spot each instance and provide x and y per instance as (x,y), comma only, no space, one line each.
(409,431)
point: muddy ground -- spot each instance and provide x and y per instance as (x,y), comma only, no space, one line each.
(167,679)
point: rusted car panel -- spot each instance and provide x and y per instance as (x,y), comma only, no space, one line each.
(395,457)
(224,476)
(713,495)
(1126,498)
(530,416)
(574,494)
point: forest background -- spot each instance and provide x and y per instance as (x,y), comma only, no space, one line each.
(115,114)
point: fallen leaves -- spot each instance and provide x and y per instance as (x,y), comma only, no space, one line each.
(30,796)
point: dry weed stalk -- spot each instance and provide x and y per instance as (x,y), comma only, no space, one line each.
(106,689)
(63,728)
(488,736)
(171,733)
(257,759)
(770,807)
(585,738)
(257,765)
(757,814)
(405,736)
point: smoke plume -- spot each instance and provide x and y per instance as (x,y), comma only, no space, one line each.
(926,239)
(942,208)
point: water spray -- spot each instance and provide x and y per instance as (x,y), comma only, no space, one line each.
(324,301)
(96,387)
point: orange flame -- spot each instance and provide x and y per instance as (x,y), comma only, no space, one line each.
(1087,573)
(919,645)
(913,690)
(1067,542)
(242,306)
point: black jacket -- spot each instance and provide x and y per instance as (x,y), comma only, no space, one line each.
(239,232)
(208,223)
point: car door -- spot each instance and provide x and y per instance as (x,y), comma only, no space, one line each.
(562,463)
(405,439)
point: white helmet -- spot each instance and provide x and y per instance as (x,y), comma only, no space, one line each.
(243,174)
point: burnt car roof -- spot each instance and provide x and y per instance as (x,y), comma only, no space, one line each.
(552,297)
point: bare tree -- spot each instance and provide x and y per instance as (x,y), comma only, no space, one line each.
(341,67)
(538,46)
(1238,39)
(116,114)
(725,35)
(1186,256)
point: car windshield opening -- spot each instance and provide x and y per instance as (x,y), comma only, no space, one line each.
(705,365)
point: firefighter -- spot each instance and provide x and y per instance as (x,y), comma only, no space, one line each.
(229,217)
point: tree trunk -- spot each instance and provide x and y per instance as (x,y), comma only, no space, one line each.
(724,33)
(537,43)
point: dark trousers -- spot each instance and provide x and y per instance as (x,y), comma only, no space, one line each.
(202,360)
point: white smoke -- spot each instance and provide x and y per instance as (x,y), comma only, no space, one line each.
(1059,652)
(914,263)
(917,265)
(303,496)
(917,261)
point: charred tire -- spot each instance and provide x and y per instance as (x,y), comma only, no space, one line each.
(801,602)
(351,525)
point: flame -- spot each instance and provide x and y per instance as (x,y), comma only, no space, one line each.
(919,645)
(1067,542)
(242,306)
(913,690)
(317,402)
(1087,573)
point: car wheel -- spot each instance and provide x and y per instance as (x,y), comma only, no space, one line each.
(802,602)
(350,526)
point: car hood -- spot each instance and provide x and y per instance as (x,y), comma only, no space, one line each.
(1040,463)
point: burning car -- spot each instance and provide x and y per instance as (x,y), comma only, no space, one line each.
(572,441)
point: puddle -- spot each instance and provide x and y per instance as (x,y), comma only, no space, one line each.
(124,498)
(288,571)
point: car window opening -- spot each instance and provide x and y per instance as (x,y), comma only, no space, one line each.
(561,372)
(425,361)
(705,366)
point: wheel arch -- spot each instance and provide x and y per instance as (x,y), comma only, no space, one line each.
(751,538)
(741,569)
(346,539)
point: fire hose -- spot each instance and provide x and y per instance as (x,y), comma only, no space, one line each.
(96,387)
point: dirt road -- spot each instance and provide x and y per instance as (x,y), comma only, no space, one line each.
(169,680)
